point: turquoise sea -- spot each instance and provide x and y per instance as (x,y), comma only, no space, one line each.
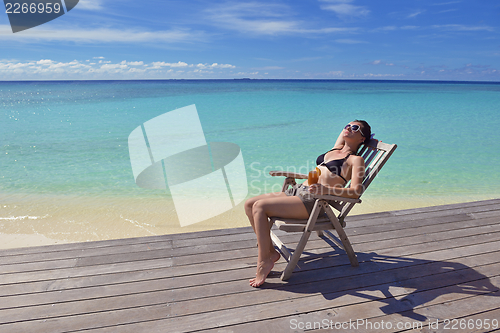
(65,171)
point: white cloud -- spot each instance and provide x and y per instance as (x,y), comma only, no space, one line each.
(415,14)
(445,27)
(252,17)
(379,62)
(344,8)
(102,35)
(214,65)
(460,27)
(90,5)
(133,63)
(446,3)
(395,28)
(50,69)
(336,73)
(263,19)
(410,27)
(113,67)
(45,62)
(160,64)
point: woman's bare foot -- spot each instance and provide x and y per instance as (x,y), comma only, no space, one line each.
(275,256)
(263,269)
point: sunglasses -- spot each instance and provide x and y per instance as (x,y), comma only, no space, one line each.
(354,128)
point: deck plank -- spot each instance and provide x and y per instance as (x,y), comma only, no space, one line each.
(415,265)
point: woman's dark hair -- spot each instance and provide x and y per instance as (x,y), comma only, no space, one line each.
(366,130)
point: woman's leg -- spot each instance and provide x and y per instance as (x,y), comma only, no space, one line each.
(274,255)
(262,209)
(250,202)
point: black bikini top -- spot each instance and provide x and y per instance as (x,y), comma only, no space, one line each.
(335,166)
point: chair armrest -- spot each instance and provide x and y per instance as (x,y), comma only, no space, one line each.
(288,174)
(337,198)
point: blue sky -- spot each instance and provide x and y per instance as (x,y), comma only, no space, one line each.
(303,39)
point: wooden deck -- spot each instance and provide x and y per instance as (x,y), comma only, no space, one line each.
(418,266)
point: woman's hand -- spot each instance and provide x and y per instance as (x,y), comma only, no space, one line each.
(317,189)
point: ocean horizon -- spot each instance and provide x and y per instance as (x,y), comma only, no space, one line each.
(66,170)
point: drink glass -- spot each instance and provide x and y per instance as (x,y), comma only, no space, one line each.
(313,176)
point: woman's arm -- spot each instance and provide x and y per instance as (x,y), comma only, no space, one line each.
(340,141)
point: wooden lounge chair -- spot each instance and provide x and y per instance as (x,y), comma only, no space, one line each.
(375,154)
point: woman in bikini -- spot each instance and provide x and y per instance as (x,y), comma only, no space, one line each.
(337,166)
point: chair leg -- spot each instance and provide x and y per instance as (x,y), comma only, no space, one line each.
(343,237)
(303,241)
(296,256)
(281,247)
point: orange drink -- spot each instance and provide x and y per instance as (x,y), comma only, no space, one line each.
(313,176)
